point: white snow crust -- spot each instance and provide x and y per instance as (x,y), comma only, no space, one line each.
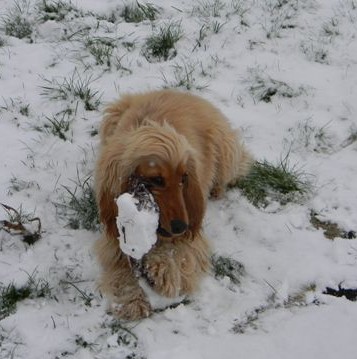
(227,52)
(137,228)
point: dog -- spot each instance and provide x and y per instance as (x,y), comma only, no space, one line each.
(185,151)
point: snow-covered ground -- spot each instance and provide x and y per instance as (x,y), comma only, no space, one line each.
(306,50)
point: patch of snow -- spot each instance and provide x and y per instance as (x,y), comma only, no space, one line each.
(137,228)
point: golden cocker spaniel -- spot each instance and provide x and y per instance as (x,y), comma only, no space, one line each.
(184,150)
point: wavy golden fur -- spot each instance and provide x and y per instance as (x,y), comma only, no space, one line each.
(184,150)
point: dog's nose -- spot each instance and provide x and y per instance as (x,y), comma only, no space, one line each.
(178,226)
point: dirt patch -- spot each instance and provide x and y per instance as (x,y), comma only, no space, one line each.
(331,230)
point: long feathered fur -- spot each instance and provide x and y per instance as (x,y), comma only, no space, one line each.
(183,135)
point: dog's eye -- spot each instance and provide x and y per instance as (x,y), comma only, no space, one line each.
(185,178)
(157,181)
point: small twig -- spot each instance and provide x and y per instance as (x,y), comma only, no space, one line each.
(9,227)
(54,323)
(184,301)
(15,226)
(87,299)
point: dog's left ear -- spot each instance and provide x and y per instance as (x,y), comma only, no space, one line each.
(194,199)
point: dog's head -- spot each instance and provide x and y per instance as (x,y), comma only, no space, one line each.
(160,158)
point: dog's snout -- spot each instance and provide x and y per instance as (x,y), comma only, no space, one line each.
(178,226)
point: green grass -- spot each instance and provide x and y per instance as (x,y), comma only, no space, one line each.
(18,185)
(11,294)
(72,88)
(330,28)
(160,46)
(351,139)
(25,110)
(81,342)
(217,26)
(125,337)
(316,50)
(263,88)
(58,127)
(268,182)
(16,20)
(228,267)
(240,8)
(87,298)
(137,12)
(308,137)
(208,8)
(80,205)
(279,15)
(16,105)
(101,49)
(56,10)
(185,75)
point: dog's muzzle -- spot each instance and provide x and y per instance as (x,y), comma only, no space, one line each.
(178,227)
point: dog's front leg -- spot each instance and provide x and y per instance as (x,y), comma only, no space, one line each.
(174,267)
(118,282)
(128,300)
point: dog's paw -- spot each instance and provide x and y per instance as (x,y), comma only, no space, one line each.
(163,276)
(134,310)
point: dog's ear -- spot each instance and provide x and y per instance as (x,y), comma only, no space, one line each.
(112,116)
(108,211)
(194,199)
(110,183)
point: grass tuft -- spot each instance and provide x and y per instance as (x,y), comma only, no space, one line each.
(185,76)
(352,138)
(58,127)
(279,15)
(16,105)
(267,182)
(228,267)
(125,337)
(137,12)
(10,295)
(101,49)
(208,8)
(306,136)
(263,88)
(73,88)
(18,185)
(80,205)
(161,46)
(55,10)
(16,20)
(86,297)
(316,51)
(217,27)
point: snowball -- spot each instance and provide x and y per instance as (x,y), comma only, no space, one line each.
(137,223)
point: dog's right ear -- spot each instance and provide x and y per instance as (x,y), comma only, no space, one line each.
(108,211)
(110,182)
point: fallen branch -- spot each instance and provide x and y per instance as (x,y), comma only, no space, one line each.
(350,294)
(15,226)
